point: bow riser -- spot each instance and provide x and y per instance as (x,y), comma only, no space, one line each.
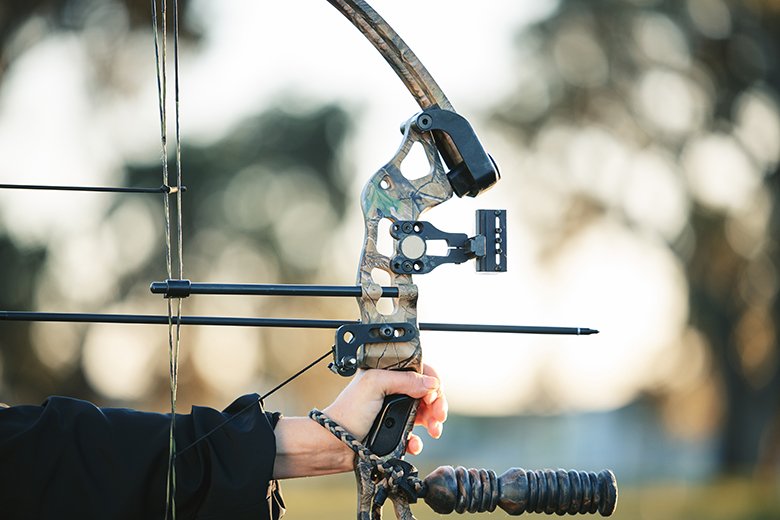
(389,194)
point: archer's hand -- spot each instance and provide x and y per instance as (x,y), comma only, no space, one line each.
(360,402)
(306,449)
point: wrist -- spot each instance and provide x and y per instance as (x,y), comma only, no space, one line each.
(345,420)
(306,449)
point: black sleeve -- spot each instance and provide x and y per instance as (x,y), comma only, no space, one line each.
(69,459)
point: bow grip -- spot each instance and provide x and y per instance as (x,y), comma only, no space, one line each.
(390,424)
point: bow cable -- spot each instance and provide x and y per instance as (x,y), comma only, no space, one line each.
(174,333)
(260,400)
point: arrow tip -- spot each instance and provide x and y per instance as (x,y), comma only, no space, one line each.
(586,331)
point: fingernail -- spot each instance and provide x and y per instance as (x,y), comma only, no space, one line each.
(430,382)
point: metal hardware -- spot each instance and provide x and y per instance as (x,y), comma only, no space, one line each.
(478,171)
(491,224)
(350,337)
(488,246)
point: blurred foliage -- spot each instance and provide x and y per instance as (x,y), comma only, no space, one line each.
(26,22)
(16,292)
(262,201)
(247,184)
(261,204)
(76,15)
(674,104)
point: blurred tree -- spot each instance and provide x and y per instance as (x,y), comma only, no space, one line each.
(26,22)
(261,205)
(663,117)
(20,268)
(246,183)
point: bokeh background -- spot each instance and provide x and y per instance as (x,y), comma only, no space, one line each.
(639,144)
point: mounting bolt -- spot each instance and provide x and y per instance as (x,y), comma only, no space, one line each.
(386,331)
(424,122)
(407,227)
(346,367)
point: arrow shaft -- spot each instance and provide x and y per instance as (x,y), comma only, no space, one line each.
(296,323)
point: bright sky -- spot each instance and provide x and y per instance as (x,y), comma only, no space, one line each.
(259,52)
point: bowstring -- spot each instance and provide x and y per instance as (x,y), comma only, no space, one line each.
(174,340)
(174,334)
(260,400)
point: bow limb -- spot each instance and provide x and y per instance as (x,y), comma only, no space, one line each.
(399,56)
(404,62)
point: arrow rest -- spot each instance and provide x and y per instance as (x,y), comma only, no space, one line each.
(352,337)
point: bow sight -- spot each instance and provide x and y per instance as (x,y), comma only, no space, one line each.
(488,246)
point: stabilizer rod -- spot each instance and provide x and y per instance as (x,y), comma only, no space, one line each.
(519,491)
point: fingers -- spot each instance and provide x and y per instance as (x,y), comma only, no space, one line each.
(436,400)
(426,386)
(402,382)
(433,408)
(414,445)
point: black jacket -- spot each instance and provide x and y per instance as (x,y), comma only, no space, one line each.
(69,459)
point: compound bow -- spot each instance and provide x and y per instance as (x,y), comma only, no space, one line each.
(390,340)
